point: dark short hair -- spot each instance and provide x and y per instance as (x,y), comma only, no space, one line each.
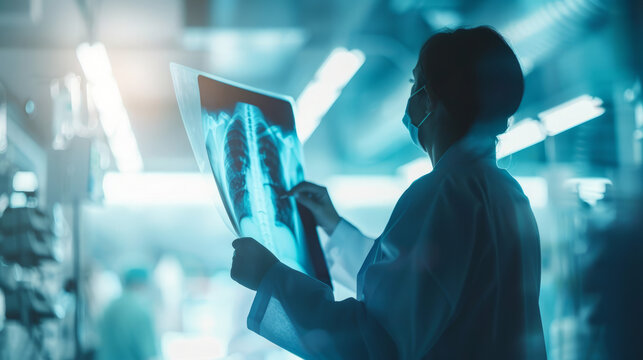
(476,75)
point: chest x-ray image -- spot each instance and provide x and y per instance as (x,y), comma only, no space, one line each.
(255,160)
(246,140)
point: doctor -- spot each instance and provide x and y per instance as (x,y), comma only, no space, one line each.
(456,272)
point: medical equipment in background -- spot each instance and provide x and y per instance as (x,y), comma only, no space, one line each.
(27,244)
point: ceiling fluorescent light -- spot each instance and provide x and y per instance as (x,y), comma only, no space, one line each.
(522,135)
(571,113)
(146,188)
(320,94)
(106,97)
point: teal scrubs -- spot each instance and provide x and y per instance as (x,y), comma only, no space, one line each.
(127,330)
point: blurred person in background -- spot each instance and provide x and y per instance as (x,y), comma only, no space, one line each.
(456,272)
(612,285)
(127,330)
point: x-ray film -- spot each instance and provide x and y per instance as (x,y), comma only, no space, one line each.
(246,139)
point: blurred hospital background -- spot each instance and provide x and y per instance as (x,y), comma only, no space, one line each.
(102,201)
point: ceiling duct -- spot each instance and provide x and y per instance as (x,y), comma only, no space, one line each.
(537,35)
(245,40)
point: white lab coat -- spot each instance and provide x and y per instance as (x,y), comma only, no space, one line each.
(455,274)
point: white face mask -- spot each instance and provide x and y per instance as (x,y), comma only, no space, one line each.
(413,129)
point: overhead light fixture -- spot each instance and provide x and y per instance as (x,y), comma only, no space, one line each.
(147,188)
(25,181)
(589,189)
(571,113)
(320,94)
(520,136)
(107,99)
(554,121)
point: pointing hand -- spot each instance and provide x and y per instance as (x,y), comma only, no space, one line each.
(317,200)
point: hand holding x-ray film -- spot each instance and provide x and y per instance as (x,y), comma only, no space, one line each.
(246,140)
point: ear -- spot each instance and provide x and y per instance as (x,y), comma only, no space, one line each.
(438,110)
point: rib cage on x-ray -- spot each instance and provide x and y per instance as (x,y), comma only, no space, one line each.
(253,170)
(236,167)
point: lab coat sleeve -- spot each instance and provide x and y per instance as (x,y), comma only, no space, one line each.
(409,299)
(299,314)
(345,253)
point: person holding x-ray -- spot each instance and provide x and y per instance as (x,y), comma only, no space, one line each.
(456,272)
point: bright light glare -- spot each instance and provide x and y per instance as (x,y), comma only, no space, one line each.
(536,190)
(354,191)
(522,135)
(106,287)
(563,117)
(18,200)
(590,189)
(158,189)
(181,346)
(25,181)
(320,94)
(571,113)
(113,116)
(412,170)
(363,191)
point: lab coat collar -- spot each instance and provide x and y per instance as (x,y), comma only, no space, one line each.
(472,147)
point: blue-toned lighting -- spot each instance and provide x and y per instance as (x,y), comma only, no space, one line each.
(25,181)
(415,169)
(536,190)
(520,136)
(571,113)
(589,189)
(158,189)
(560,118)
(355,191)
(320,94)
(3,119)
(106,97)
